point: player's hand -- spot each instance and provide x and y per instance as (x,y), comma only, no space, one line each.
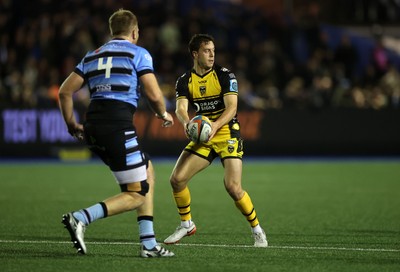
(167,118)
(186,126)
(76,131)
(213,131)
(79,135)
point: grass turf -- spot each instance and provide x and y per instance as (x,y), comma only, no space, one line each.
(318,215)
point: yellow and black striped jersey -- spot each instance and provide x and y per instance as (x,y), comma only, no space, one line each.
(206,93)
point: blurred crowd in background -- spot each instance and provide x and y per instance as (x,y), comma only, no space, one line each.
(282,61)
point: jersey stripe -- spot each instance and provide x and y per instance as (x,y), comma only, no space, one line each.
(115,88)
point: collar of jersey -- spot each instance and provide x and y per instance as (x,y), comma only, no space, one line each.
(119,40)
(194,72)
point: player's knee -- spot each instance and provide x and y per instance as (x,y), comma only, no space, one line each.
(177,181)
(142,188)
(174,180)
(234,190)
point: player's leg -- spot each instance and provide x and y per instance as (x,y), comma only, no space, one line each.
(149,245)
(131,197)
(114,145)
(233,185)
(186,167)
(134,187)
(147,209)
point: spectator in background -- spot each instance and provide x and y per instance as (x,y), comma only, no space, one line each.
(169,35)
(346,56)
(376,98)
(247,98)
(390,83)
(380,59)
(54,38)
(358,98)
(321,91)
(295,96)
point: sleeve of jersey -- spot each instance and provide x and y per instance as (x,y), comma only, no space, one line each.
(228,83)
(181,88)
(143,62)
(79,69)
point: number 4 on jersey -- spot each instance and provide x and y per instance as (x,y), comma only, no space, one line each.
(107,66)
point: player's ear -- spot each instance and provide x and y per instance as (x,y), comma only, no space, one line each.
(135,34)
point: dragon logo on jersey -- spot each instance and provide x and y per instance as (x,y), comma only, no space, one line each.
(202,90)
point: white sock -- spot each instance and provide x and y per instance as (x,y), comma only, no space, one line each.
(257,229)
(186,224)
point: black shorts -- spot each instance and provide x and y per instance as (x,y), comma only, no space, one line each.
(116,143)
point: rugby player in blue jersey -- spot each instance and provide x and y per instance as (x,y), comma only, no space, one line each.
(113,74)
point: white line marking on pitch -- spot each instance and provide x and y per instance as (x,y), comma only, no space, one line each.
(209,245)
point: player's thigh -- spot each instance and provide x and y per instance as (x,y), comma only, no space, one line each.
(233,172)
(187,166)
(150,173)
(233,178)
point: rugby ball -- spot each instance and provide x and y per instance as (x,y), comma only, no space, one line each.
(199,128)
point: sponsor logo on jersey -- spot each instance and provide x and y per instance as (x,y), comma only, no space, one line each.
(103,88)
(207,106)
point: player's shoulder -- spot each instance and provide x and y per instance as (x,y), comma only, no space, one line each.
(223,72)
(182,81)
(140,48)
(137,51)
(94,52)
(185,76)
(221,69)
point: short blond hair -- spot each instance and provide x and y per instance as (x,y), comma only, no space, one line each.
(122,22)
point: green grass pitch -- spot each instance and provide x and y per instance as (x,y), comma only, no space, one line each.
(318,215)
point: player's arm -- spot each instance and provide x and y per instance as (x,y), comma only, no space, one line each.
(182,106)
(156,98)
(231,102)
(72,84)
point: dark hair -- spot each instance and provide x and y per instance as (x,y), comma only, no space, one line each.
(197,40)
(122,22)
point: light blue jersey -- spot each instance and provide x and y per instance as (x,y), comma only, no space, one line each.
(112,71)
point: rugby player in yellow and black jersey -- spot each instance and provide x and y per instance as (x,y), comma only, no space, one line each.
(212,91)
(206,94)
